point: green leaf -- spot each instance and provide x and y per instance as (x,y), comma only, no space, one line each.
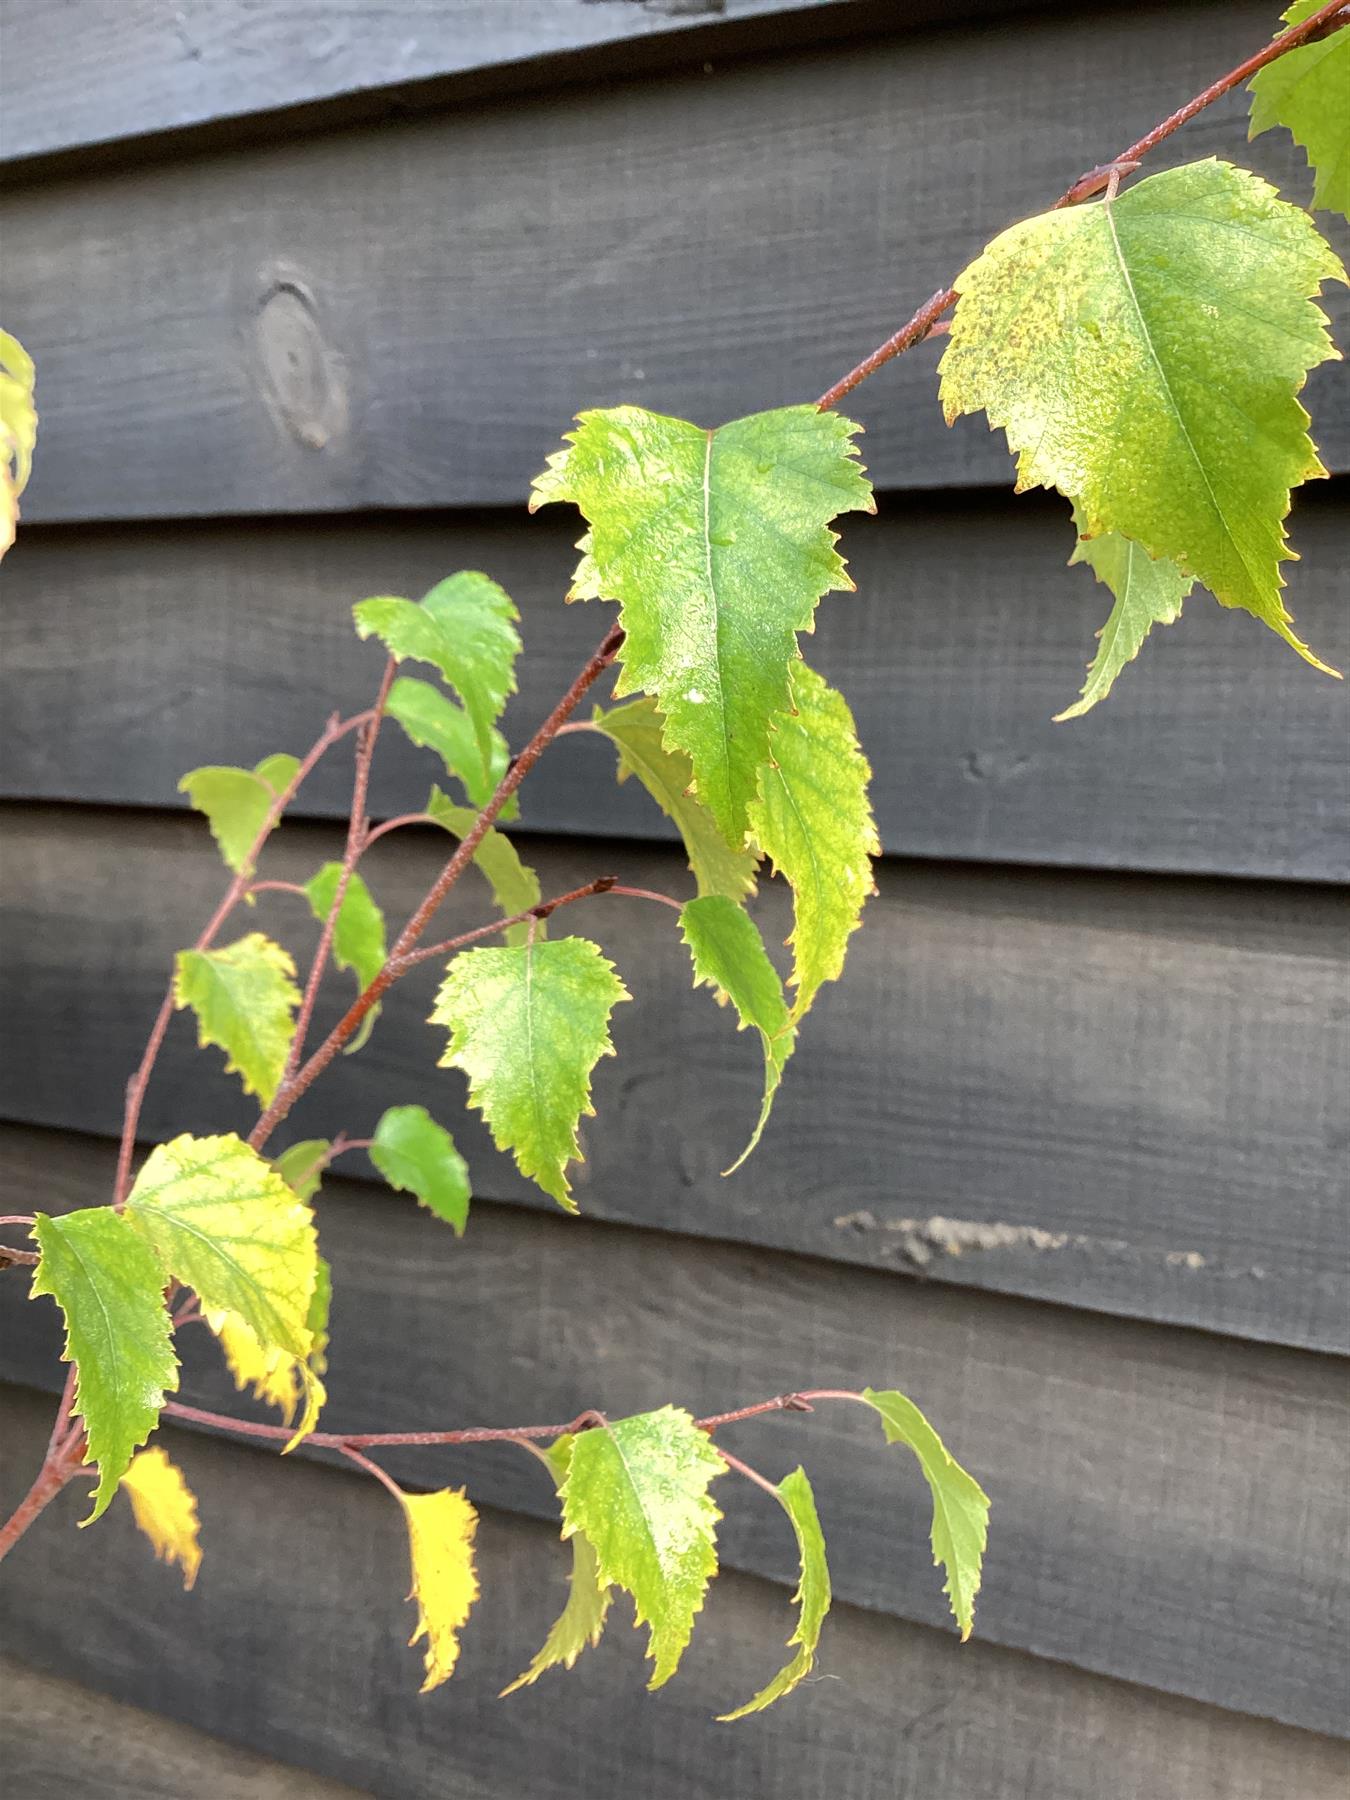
(464,628)
(813,818)
(432,721)
(1147,593)
(514,884)
(358,940)
(637,1489)
(527,1026)
(236,802)
(1308,92)
(316,1319)
(729,956)
(583,1618)
(1144,356)
(301,1166)
(960,1505)
(110,1287)
(812,1595)
(226,1224)
(418,1156)
(715,544)
(244,997)
(668,776)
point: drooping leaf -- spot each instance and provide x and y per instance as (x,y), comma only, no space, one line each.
(1307,90)
(716,545)
(433,721)
(301,1166)
(290,1383)
(18,431)
(109,1285)
(1147,593)
(418,1156)
(637,1489)
(813,817)
(441,1528)
(1144,356)
(236,802)
(165,1509)
(960,1505)
(245,997)
(583,1618)
(527,1025)
(226,1224)
(514,884)
(729,956)
(812,1595)
(668,776)
(465,628)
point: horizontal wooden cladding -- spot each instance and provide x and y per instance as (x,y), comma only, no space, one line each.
(294,1641)
(138,73)
(161,648)
(1163,1511)
(63,1741)
(409,316)
(1124,1095)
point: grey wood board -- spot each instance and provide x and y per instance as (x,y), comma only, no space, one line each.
(409,316)
(130,654)
(65,1742)
(1122,1094)
(143,72)
(1091,1559)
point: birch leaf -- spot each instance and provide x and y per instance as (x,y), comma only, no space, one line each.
(165,1510)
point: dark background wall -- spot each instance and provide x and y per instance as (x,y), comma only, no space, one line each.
(312,291)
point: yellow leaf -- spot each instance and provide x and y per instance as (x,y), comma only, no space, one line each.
(444,1584)
(18,431)
(165,1509)
(275,1377)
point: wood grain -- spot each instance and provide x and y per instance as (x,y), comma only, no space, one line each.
(293,1641)
(455,288)
(1124,1094)
(63,1741)
(1220,753)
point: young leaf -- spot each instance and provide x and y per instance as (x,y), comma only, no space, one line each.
(109,1285)
(514,884)
(1144,356)
(812,1595)
(418,1156)
(165,1509)
(1147,593)
(813,818)
(301,1166)
(245,998)
(1307,90)
(729,956)
(358,937)
(226,1224)
(716,545)
(432,721)
(583,1618)
(236,802)
(18,432)
(960,1505)
(527,1025)
(668,776)
(464,628)
(637,1489)
(441,1527)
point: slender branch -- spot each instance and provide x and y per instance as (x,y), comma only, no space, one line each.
(742,1468)
(917,328)
(334,730)
(417,818)
(277,887)
(373,1468)
(58,1468)
(636,893)
(18,1219)
(290,1091)
(603,884)
(12,1258)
